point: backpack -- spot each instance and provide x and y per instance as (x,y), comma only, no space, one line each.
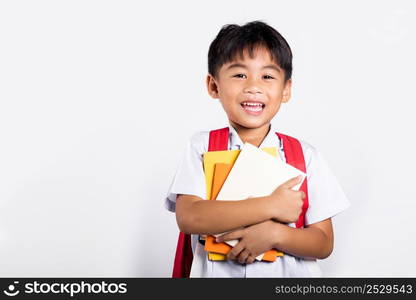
(218,141)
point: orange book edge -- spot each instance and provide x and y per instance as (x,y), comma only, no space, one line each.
(221,171)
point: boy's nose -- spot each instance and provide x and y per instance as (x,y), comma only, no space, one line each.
(252,86)
(252,89)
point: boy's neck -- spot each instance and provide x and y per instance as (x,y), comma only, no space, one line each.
(254,136)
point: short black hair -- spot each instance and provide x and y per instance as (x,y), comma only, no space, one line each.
(233,39)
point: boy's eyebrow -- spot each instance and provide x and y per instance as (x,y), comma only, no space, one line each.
(239,65)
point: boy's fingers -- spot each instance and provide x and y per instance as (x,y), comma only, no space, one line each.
(242,257)
(250,259)
(292,182)
(235,235)
(234,252)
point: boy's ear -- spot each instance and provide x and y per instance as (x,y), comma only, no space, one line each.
(287,91)
(212,86)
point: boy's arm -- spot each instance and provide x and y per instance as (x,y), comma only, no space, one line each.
(195,215)
(198,216)
(315,241)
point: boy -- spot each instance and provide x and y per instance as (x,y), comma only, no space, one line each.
(250,71)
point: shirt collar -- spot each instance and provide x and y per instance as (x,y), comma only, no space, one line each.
(271,139)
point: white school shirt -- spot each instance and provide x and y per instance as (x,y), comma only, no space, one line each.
(326,199)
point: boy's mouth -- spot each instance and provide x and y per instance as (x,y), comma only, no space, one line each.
(253,107)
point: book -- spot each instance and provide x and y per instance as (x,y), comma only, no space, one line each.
(221,172)
(255,173)
(223,161)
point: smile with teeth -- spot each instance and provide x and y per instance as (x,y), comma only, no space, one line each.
(253,106)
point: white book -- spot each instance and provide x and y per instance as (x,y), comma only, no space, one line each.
(256,174)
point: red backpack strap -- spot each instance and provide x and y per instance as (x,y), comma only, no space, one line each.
(218,141)
(294,157)
(183,257)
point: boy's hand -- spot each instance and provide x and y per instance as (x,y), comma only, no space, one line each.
(253,241)
(287,203)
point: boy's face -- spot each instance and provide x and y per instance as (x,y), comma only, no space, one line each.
(250,90)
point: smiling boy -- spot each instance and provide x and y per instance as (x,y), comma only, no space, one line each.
(250,70)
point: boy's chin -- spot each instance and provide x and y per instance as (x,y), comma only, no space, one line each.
(251,125)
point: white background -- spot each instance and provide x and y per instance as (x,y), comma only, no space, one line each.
(98,98)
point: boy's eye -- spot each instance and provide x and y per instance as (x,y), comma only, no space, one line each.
(243,75)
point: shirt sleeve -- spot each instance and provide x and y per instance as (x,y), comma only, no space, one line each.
(189,177)
(326,197)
